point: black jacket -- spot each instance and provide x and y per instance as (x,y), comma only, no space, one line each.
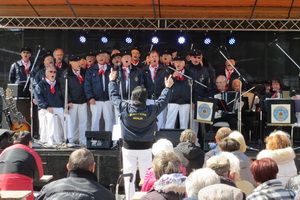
(138,123)
(76,92)
(45,98)
(181,90)
(79,185)
(17,72)
(93,84)
(135,79)
(191,156)
(154,88)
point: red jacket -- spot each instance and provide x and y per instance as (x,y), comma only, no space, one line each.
(19,166)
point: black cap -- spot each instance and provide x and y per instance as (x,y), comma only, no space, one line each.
(90,54)
(179,58)
(100,52)
(115,55)
(166,52)
(196,52)
(126,52)
(74,58)
(46,54)
(135,48)
(25,49)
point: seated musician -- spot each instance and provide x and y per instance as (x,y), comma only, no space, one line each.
(223,114)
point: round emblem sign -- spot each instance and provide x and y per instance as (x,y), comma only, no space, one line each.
(204,111)
(281,113)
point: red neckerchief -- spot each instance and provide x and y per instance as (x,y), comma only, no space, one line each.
(180,77)
(126,71)
(226,88)
(101,70)
(77,73)
(228,73)
(88,66)
(26,65)
(155,69)
(52,85)
(58,65)
(275,94)
(135,62)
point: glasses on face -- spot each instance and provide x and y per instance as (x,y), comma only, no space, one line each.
(52,72)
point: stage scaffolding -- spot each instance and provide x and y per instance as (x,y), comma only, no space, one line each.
(149,24)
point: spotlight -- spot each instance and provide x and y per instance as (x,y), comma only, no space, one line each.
(82,39)
(181,40)
(104,39)
(155,40)
(231,41)
(207,40)
(128,40)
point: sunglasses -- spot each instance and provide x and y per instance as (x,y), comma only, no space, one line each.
(52,72)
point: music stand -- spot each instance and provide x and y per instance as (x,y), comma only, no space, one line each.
(205,110)
(281,112)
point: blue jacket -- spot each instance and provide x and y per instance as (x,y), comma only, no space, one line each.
(45,98)
(17,72)
(93,84)
(138,123)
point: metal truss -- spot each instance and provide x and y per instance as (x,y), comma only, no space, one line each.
(149,24)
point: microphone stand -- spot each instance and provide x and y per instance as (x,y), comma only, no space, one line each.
(291,59)
(66,108)
(240,106)
(119,81)
(30,78)
(191,85)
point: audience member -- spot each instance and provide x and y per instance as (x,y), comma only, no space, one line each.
(220,135)
(149,179)
(20,165)
(233,146)
(220,192)
(221,165)
(293,184)
(278,148)
(81,182)
(171,183)
(199,179)
(264,172)
(234,174)
(191,156)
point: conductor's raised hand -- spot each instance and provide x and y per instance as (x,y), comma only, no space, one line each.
(169,81)
(112,75)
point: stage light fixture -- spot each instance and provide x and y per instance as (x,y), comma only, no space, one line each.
(207,40)
(128,40)
(231,40)
(82,39)
(181,39)
(104,39)
(155,40)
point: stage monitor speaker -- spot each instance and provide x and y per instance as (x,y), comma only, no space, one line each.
(170,134)
(6,138)
(98,139)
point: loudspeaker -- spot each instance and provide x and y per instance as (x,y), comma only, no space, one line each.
(98,139)
(6,138)
(170,134)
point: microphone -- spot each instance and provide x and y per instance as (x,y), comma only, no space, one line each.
(66,75)
(274,41)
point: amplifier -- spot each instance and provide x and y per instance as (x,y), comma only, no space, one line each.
(17,89)
(98,139)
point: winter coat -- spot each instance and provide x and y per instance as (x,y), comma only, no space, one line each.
(285,161)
